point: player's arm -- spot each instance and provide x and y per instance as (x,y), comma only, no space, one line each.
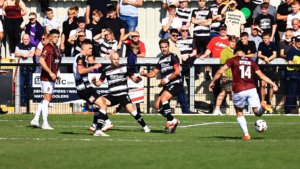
(176,73)
(217,76)
(266,79)
(84,70)
(151,74)
(46,68)
(135,79)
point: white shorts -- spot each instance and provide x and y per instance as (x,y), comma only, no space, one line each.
(249,97)
(47,87)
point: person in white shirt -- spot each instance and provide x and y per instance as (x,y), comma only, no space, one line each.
(50,21)
(295,14)
(170,22)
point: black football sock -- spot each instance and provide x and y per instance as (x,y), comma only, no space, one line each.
(138,118)
(167,111)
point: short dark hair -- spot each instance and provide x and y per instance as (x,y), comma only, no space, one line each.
(231,38)
(264,5)
(111,8)
(243,34)
(163,41)
(48,10)
(238,50)
(86,42)
(174,31)
(266,34)
(54,31)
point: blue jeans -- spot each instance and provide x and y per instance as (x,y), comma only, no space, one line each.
(182,99)
(293,92)
(24,80)
(130,23)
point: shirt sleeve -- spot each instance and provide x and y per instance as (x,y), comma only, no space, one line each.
(115,46)
(175,59)
(45,52)
(260,47)
(102,77)
(142,47)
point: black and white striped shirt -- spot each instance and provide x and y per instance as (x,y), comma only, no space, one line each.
(215,24)
(186,46)
(200,30)
(166,66)
(117,79)
(184,15)
(81,80)
(107,47)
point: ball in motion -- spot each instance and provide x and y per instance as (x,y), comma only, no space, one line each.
(260,126)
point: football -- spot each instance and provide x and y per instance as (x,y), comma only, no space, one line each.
(260,126)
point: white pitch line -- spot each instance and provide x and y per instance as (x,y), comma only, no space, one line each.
(205,124)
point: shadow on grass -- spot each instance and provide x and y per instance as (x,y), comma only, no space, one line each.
(73,133)
(33,127)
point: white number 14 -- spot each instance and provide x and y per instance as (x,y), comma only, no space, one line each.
(245,71)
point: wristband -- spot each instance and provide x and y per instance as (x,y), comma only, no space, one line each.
(166,79)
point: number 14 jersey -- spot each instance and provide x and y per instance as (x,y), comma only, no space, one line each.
(243,72)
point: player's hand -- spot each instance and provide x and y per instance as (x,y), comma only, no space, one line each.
(53,76)
(275,88)
(58,78)
(202,57)
(138,79)
(211,86)
(97,66)
(143,73)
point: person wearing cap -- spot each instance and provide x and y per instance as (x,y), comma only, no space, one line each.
(234,19)
(214,48)
(293,75)
(50,21)
(128,13)
(34,29)
(133,38)
(80,27)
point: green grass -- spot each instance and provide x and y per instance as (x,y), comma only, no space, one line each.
(207,146)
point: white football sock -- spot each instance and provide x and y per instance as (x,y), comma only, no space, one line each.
(38,111)
(243,124)
(45,111)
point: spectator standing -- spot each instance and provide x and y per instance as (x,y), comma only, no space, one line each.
(293,74)
(96,27)
(271,9)
(68,25)
(234,19)
(107,42)
(133,38)
(128,13)
(247,46)
(14,10)
(174,34)
(283,11)
(267,51)
(265,22)
(34,29)
(24,51)
(167,3)
(80,27)
(202,19)
(50,21)
(284,47)
(170,22)
(295,13)
(50,59)
(226,78)
(1,9)
(188,51)
(1,36)
(184,12)
(38,51)
(247,7)
(113,22)
(295,28)
(91,5)
(217,18)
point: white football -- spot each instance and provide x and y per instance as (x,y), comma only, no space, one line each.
(260,126)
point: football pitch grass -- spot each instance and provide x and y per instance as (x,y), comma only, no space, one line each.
(201,142)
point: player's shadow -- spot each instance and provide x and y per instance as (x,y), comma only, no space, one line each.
(33,127)
(73,133)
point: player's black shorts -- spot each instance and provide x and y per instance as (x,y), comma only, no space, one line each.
(270,72)
(123,100)
(174,89)
(90,95)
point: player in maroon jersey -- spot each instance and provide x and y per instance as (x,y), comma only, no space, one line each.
(243,71)
(49,61)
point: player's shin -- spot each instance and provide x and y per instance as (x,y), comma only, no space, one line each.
(243,124)
(138,118)
(167,110)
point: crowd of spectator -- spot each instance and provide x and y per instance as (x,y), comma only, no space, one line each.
(264,29)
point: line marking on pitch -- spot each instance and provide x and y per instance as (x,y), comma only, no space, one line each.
(205,124)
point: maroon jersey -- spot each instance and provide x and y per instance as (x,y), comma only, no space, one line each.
(51,54)
(243,71)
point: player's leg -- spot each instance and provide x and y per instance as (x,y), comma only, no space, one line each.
(171,121)
(258,107)
(125,100)
(263,90)
(159,107)
(239,101)
(45,111)
(102,115)
(219,102)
